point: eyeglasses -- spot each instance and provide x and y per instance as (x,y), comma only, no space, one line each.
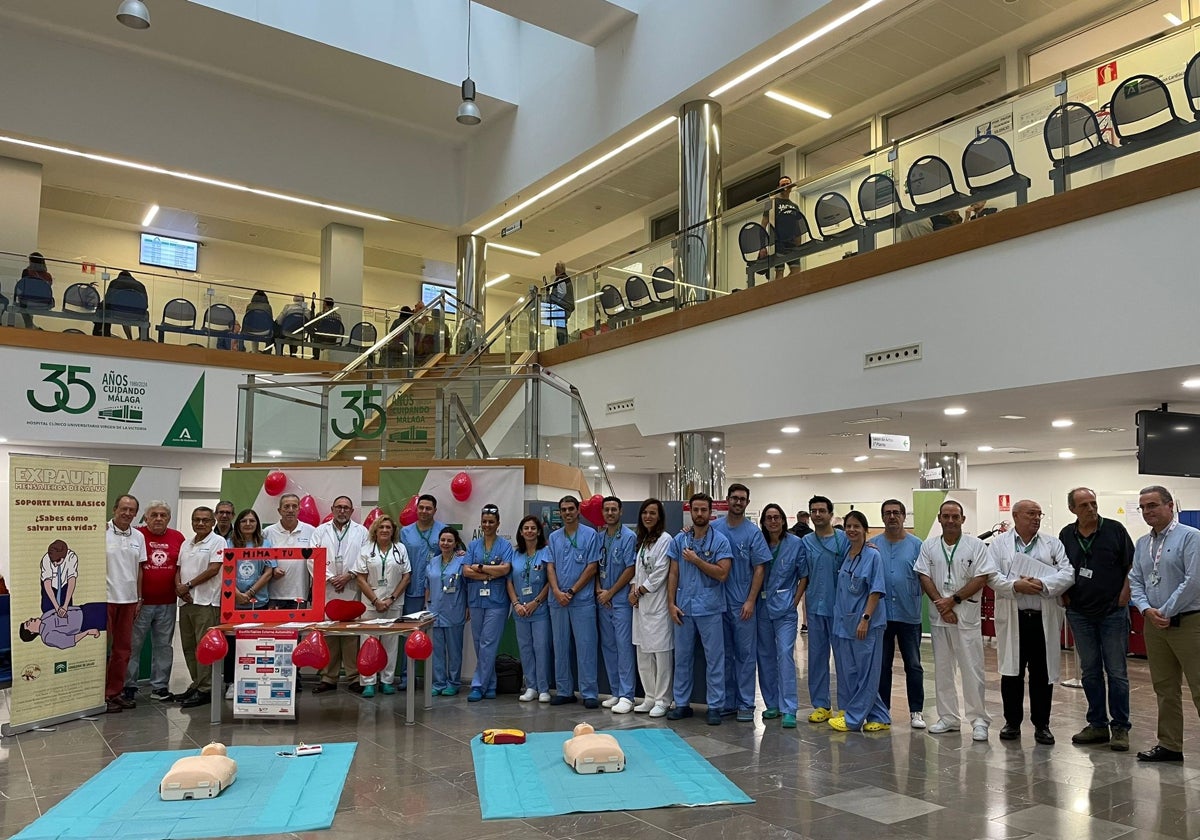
(892,513)
(772,517)
(739,499)
(202,519)
(343,507)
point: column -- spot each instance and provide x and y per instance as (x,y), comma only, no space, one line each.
(342,270)
(470,285)
(700,196)
(21,186)
(942,470)
(700,464)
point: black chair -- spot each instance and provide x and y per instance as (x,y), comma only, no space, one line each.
(611,302)
(128,307)
(878,202)
(362,335)
(988,166)
(637,292)
(1072,131)
(1142,111)
(179,315)
(662,284)
(835,220)
(258,326)
(931,187)
(81,298)
(219,319)
(1191,85)
(754,241)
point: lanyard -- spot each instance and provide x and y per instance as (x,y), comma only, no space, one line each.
(644,556)
(571,539)
(949,559)
(1023,548)
(425,535)
(529,558)
(340,538)
(445,565)
(607,554)
(852,563)
(383,558)
(1087,545)
(707,555)
(487,552)
(1158,554)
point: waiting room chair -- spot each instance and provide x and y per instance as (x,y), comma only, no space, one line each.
(128,307)
(178,315)
(329,330)
(637,292)
(754,241)
(878,202)
(835,219)
(1142,111)
(219,318)
(662,284)
(362,335)
(989,169)
(1072,131)
(33,294)
(258,326)
(611,302)
(1191,85)
(81,298)
(931,186)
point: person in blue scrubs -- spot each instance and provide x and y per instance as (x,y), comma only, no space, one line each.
(614,571)
(488,563)
(573,561)
(742,588)
(528,590)
(420,540)
(900,550)
(860,617)
(700,561)
(777,617)
(446,595)
(826,546)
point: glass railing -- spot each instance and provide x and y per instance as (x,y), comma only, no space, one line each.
(1022,148)
(96,299)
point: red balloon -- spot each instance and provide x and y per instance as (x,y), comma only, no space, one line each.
(275,483)
(312,652)
(418,645)
(592,510)
(212,647)
(460,486)
(308,512)
(371,657)
(327,518)
(409,514)
(344,609)
(371,517)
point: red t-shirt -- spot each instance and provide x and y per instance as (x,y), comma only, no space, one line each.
(162,561)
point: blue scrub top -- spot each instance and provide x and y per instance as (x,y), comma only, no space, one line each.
(615,555)
(528,578)
(447,591)
(697,593)
(421,548)
(824,558)
(502,552)
(789,563)
(249,571)
(903,585)
(856,580)
(749,549)
(570,556)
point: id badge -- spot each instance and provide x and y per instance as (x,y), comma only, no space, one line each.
(450,588)
(526,590)
(1085,573)
(483,593)
(763,595)
(383,581)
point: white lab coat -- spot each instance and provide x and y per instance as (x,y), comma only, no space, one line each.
(1047,561)
(653,631)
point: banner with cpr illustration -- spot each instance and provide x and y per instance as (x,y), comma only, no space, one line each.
(57,571)
(98,399)
(461,493)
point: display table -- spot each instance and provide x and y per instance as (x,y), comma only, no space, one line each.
(342,628)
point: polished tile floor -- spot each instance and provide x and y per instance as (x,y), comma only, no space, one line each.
(811,782)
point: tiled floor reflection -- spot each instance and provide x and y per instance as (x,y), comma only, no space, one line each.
(810,782)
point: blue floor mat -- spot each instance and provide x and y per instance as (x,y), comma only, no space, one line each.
(532,780)
(273,794)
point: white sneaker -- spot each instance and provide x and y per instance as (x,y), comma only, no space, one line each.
(659,710)
(644,706)
(943,726)
(918,722)
(544,697)
(610,702)
(980,732)
(624,706)
(230,692)
(530,694)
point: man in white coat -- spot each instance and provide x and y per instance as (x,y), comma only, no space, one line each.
(1032,571)
(343,540)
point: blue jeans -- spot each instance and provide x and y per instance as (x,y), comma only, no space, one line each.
(157,620)
(1101,644)
(908,637)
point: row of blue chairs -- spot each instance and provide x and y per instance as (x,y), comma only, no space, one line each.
(81,301)
(180,316)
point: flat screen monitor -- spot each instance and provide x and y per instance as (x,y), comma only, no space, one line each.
(168,252)
(1168,443)
(429,291)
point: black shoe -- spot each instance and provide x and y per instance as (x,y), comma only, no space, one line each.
(1042,735)
(1159,753)
(129,694)
(322,687)
(162,695)
(1010,732)
(187,695)
(591,703)
(714,717)
(200,698)
(563,699)
(355,688)
(680,712)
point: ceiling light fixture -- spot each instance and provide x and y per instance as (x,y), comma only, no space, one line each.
(1066,454)
(1191,383)
(1012,416)
(790,430)
(512,250)
(468,111)
(583,170)
(757,475)
(798,105)
(134,14)
(594,468)
(861,458)
(837,470)
(801,44)
(716,439)
(496,280)
(764,466)
(1063,424)
(954,411)
(984,448)
(774,450)
(150,214)
(360,457)
(274,453)
(1174,20)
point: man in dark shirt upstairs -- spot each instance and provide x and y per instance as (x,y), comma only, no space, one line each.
(784,216)
(1098,611)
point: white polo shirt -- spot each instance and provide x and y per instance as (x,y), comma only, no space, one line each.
(194,559)
(295,582)
(125,551)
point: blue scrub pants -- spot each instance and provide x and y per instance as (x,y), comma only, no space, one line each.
(487,626)
(579,622)
(740,653)
(708,627)
(820,645)
(616,643)
(777,661)
(858,678)
(533,641)
(447,656)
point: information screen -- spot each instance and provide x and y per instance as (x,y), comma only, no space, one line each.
(168,252)
(429,291)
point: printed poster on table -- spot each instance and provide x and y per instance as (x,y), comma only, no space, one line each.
(263,677)
(57,571)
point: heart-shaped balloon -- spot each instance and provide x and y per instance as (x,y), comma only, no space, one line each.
(593,510)
(344,609)
(274,483)
(309,513)
(418,645)
(212,647)
(460,486)
(312,652)
(371,517)
(371,657)
(327,518)
(409,514)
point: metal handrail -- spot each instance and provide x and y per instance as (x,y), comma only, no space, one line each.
(438,304)
(494,332)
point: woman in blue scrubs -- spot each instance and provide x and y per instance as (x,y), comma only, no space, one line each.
(784,583)
(488,563)
(446,595)
(528,589)
(860,616)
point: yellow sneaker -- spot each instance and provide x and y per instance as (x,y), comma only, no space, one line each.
(819,716)
(876,726)
(839,723)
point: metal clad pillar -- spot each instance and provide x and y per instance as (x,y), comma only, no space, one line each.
(700,464)
(700,196)
(942,470)
(470,283)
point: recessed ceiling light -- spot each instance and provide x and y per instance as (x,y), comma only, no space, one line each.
(360,457)
(1191,383)
(984,448)
(774,450)
(595,467)
(1174,20)
(861,458)
(1012,417)
(274,453)
(757,475)
(3,440)
(837,470)
(150,214)
(1063,423)
(582,445)
(512,250)
(496,280)
(671,443)
(715,439)
(1066,454)
(764,466)
(798,105)
(610,466)
(954,411)
(790,430)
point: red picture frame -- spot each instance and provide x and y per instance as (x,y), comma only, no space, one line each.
(231,613)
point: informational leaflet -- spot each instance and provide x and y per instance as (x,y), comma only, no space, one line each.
(264,679)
